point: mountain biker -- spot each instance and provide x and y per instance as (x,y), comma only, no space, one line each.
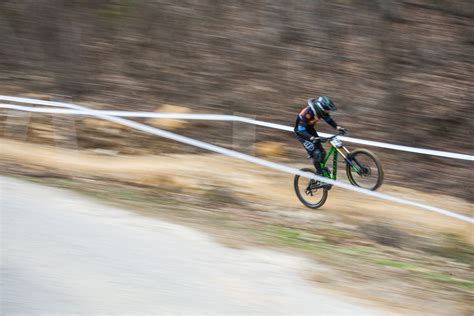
(305,130)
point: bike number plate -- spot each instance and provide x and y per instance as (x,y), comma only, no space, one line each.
(336,143)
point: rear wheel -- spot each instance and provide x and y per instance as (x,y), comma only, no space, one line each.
(309,191)
(365,170)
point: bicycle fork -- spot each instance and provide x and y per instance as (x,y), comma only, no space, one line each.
(355,165)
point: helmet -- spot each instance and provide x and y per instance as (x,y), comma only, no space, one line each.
(322,104)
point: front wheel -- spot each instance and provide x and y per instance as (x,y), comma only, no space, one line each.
(364,169)
(309,191)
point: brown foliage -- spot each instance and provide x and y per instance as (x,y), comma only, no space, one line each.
(400,71)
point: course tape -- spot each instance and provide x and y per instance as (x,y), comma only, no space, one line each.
(258,161)
(217,117)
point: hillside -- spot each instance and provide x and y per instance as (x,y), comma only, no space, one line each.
(400,71)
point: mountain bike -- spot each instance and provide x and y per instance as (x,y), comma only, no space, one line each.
(363,169)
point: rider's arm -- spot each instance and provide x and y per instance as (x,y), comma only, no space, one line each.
(328,119)
(331,122)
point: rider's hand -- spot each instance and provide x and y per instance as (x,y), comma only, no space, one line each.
(342,130)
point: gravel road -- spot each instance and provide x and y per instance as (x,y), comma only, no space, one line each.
(64,253)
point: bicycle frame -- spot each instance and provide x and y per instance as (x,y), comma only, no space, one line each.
(335,152)
(331,175)
(359,163)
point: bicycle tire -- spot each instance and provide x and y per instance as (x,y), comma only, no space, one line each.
(351,173)
(300,195)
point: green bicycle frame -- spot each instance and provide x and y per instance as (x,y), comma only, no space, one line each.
(335,153)
(331,175)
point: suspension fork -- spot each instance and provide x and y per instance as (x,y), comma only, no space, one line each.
(355,165)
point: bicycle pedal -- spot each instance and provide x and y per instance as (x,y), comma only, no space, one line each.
(316,185)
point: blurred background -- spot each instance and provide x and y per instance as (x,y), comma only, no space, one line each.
(400,71)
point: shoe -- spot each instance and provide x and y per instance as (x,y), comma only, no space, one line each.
(321,184)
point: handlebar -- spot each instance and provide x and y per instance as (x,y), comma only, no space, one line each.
(327,139)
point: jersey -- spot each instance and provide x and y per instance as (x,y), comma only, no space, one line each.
(306,121)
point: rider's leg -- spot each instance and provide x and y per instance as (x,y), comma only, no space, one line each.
(315,150)
(318,155)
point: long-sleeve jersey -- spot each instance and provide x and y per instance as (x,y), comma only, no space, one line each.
(306,121)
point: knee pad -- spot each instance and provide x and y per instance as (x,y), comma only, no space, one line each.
(317,155)
(323,153)
(309,146)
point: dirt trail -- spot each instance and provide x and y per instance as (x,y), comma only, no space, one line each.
(110,261)
(250,182)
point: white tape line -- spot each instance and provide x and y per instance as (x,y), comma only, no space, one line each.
(207,117)
(217,117)
(262,162)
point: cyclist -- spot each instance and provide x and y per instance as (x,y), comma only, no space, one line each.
(305,130)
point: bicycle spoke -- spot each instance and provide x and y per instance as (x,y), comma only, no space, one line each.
(309,192)
(364,171)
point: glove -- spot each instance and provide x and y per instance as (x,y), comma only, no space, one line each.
(314,139)
(342,130)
